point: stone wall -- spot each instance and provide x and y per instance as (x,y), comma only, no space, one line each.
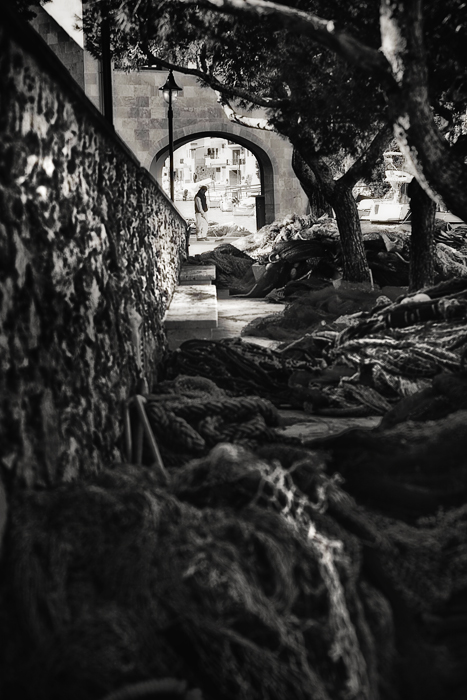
(89,257)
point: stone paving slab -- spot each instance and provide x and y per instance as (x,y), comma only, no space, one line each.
(197,274)
(192,306)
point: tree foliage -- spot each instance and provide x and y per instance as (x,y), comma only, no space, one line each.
(25,8)
(329,85)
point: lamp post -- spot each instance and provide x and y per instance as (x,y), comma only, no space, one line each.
(170,91)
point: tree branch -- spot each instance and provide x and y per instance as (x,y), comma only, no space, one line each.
(438,168)
(214,83)
(377,145)
(321,31)
(233,116)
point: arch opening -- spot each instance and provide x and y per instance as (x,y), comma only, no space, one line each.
(262,185)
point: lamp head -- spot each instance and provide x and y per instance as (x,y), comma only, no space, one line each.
(170,88)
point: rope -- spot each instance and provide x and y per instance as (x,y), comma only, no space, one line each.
(189,427)
(173,429)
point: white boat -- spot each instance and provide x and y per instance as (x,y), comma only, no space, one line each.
(395,206)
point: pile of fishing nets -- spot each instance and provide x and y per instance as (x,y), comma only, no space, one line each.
(299,252)
(237,367)
(406,471)
(454,237)
(401,345)
(249,575)
(312,307)
(233,267)
(343,364)
(230,228)
(395,351)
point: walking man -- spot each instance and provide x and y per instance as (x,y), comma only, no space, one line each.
(201,208)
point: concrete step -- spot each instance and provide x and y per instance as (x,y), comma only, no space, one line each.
(193,306)
(197,274)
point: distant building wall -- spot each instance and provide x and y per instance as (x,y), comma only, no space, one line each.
(90,258)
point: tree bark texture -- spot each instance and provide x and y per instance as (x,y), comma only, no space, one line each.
(435,164)
(339,195)
(355,265)
(422,241)
(318,204)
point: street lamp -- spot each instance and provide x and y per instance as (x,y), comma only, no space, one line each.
(170,91)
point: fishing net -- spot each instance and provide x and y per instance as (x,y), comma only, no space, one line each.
(446,393)
(230,229)
(252,575)
(238,367)
(233,581)
(300,251)
(399,347)
(388,351)
(315,307)
(407,470)
(233,267)
(293,227)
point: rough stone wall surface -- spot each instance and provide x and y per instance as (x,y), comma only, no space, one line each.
(64,46)
(89,257)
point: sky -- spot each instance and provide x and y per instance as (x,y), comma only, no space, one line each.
(64,11)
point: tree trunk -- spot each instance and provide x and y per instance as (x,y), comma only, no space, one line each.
(422,241)
(339,197)
(355,264)
(310,185)
(438,169)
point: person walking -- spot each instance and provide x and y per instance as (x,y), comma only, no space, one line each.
(201,208)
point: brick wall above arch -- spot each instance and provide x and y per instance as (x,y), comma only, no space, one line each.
(141,120)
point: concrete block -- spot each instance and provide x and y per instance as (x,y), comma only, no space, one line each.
(197,274)
(192,306)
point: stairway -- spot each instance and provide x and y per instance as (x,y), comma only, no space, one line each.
(197,311)
(193,310)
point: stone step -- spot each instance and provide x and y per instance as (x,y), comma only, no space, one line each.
(197,274)
(192,306)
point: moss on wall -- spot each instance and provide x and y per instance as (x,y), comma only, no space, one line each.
(89,257)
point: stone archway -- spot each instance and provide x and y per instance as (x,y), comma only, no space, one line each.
(253,144)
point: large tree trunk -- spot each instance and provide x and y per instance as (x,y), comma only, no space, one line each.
(340,198)
(438,169)
(310,185)
(422,242)
(355,264)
